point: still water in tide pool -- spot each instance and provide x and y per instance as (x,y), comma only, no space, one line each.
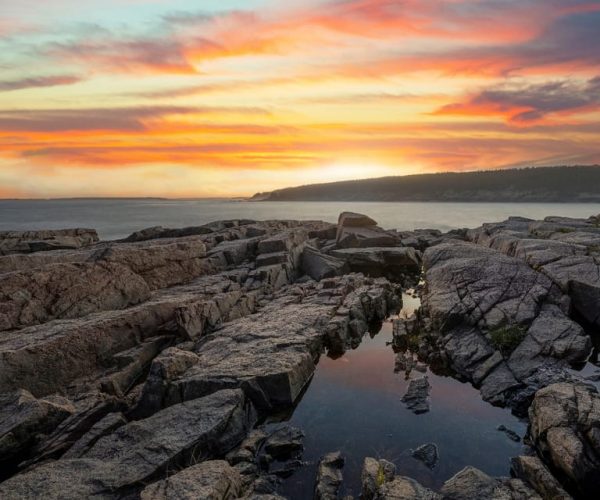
(353,405)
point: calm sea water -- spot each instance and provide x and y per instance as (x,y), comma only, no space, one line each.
(118,218)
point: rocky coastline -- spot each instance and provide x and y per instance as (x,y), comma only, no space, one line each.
(146,367)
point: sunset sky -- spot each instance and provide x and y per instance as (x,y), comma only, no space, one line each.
(187,98)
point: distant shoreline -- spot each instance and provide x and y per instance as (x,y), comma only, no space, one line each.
(561,184)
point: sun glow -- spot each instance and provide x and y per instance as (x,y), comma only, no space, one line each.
(352,171)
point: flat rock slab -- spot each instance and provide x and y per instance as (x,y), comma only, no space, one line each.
(14,242)
(65,350)
(67,291)
(136,453)
(271,354)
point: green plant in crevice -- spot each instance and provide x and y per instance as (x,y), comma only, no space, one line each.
(380,476)
(507,338)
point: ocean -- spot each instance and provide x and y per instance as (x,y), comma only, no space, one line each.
(117,218)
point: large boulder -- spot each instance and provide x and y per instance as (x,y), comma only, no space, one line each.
(211,480)
(319,266)
(359,231)
(565,428)
(501,324)
(353,219)
(396,263)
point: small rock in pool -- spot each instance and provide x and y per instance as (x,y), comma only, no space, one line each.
(510,433)
(416,397)
(421,367)
(428,454)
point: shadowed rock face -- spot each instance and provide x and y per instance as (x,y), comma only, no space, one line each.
(320,266)
(22,419)
(565,426)
(501,324)
(396,263)
(532,470)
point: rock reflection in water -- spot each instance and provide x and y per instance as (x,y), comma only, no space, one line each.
(353,404)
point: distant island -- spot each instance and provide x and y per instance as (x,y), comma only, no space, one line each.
(540,184)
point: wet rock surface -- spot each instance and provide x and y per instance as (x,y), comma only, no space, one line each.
(140,368)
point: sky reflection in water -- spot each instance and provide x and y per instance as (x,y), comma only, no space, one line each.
(353,404)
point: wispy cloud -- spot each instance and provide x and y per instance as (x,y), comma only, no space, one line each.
(39,81)
(529,103)
(99,119)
